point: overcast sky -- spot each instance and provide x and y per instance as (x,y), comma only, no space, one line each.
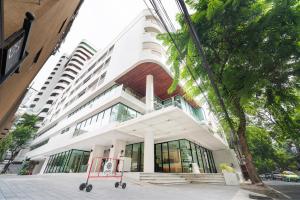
(99,22)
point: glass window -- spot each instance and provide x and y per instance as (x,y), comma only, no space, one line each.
(122,114)
(158,158)
(114,113)
(165,156)
(200,160)
(94,119)
(106,117)
(99,118)
(186,156)
(135,159)
(194,153)
(128,151)
(174,157)
(131,113)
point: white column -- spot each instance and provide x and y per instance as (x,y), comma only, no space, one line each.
(98,151)
(149,152)
(118,146)
(149,93)
(44,166)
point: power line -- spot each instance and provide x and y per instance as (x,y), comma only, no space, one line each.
(184,11)
(155,7)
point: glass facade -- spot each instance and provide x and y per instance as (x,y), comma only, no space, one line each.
(179,102)
(117,113)
(136,153)
(173,157)
(72,161)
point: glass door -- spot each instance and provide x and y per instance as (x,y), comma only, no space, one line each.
(158,158)
(174,157)
(165,156)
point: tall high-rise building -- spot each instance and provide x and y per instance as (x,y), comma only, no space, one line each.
(119,101)
(60,78)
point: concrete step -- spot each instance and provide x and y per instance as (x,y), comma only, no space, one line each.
(168,182)
(162,178)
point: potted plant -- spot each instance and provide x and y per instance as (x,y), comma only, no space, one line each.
(230,176)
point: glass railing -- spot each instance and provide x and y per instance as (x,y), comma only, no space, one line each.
(179,102)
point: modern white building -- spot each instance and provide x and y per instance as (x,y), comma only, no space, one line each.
(119,101)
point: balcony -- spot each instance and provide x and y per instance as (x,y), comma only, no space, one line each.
(179,102)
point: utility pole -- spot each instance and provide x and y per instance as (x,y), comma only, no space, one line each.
(207,67)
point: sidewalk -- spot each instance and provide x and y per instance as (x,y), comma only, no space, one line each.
(62,187)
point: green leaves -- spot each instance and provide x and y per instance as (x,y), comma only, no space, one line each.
(214,7)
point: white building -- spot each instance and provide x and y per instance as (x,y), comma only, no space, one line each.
(119,101)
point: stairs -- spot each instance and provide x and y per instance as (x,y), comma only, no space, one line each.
(163,178)
(216,178)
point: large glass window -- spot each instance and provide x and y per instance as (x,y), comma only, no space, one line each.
(158,158)
(69,161)
(178,156)
(174,157)
(136,153)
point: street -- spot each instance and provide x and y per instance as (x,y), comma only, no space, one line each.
(290,189)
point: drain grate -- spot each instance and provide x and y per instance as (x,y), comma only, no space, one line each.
(251,196)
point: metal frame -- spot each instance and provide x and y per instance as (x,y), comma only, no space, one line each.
(5,44)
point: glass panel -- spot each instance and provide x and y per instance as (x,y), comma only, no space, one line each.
(131,114)
(186,156)
(106,117)
(194,153)
(206,169)
(99,119)
(207,161)
(114,113)
(128,151)
(135,160)
(158,158)
(142,158)
(174,157)
(94,119)
(200,160)
(84,162)
(74,161)
(165,153)
(66,159)
(122,114)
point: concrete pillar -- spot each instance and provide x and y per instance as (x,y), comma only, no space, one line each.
(118,146)
(44,165)
(149,93)
(98,151)
(149,152)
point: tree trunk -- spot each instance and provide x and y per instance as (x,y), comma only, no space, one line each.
(241,132)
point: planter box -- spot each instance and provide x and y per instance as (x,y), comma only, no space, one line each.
(231,178)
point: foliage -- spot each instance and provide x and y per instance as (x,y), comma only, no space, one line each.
(4,145)
(225,167)
(19,136)
(253,48)
(25,168)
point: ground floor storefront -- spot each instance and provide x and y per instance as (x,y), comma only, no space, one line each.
(175,156)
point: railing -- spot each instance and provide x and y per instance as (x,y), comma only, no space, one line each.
(179,102)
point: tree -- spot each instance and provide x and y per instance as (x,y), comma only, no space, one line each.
(19,137)
(253,48)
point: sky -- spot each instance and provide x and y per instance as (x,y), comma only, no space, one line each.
(99,22)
